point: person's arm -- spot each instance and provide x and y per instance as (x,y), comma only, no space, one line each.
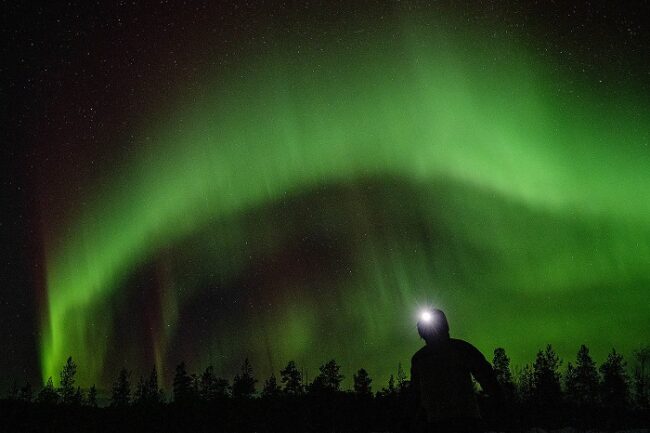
(484,373)
(496,413)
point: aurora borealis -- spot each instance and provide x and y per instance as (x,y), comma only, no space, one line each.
(302,199)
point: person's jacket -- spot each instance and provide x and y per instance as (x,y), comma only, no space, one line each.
(441,379)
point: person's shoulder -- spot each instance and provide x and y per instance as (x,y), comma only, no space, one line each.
(462,345)
(419,354)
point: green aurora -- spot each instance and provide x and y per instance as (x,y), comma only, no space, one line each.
(346,187)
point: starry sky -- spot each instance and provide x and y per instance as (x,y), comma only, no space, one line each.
(294,181)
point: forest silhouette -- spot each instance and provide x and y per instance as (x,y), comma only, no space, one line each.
(582,396)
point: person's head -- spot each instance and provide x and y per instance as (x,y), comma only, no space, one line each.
(433,326)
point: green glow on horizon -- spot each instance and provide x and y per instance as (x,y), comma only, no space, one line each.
(539,203)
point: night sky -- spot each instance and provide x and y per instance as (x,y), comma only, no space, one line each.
(294,181)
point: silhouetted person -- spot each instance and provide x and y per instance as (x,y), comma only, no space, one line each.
(441,378)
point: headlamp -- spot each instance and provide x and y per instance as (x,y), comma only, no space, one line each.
(426,316)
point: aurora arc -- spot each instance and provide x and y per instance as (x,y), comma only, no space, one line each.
(478,140)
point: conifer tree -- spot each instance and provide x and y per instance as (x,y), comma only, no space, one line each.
(642,378)
(78,398)
(212,387)
(121,395)
(581,381)
(182,387)
(154,394)
(243,385)
(402,382)
(25,393)
(195,387)
(389,390)
(271,388)
(48,394)
(501,364)
(291,377)
(67,382)
(92,397)
(140,394)
(614,385)
(526,385)
(548,392)
(13,391)
(362,383)
(329,378)
(147,392)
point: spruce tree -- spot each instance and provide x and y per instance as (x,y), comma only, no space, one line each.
(614,385)
(195,387)
(389,390)
(92,397)
(271,388)
(147,393)
(402,382)
(182,387)
(526,385)
(243,385)
(548,392)
(25,393)
(121,395)
(362,383)
(48,394)
(292,379)
(501,364)
(67,382)
(153,394)
(330,377)
(581,381)
(78,398)
(212,387)
(140,394)
(13,391)
(642,378)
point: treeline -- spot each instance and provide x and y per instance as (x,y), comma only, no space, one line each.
(582,395)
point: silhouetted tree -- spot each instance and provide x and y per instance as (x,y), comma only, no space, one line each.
(121,395)
(402,382)
(48,394)
(581,381)
(292,379)
(362,383)
(614,385)
(642,378)
(212,387)
(182,385)
(196,386)
(548,392)
(389,390)
(526,385)
(25,393)
(329,379)
(92,397)
(140,394)
(270,389)
(243,385)
(78,398)
(13,391)
(148,393)
(67,382)
(156,394)
(501,364)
